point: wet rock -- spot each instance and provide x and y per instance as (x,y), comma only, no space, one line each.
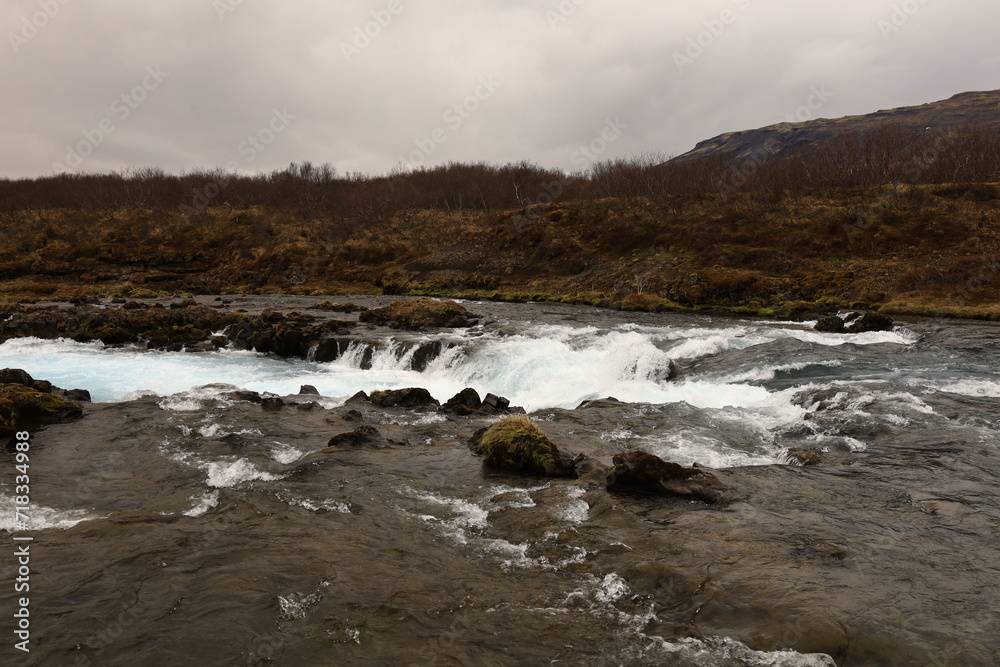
(308,390)
(272,404)
(133,305)
(77,395)
(327,350)
(517,444)
(830,324)
(360,397)
(353,416)
(463,403)
(25,408)
(870,322)
(412,397)
(854,322)
(158,328)
(186,303)
(362,436)
(204,346)
(804,457)
(337,307)
(609,402)
(16,376)
(43,386)
(306,407)
(425,354)
(416,314)
(639,472)
(244,395)
(494,403)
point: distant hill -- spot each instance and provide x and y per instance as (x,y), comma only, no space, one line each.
(973,108)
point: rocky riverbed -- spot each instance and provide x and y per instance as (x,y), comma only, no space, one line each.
(231,524)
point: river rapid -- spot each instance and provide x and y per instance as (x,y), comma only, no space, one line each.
(176,525)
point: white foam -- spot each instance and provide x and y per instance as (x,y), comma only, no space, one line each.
(226,474)
(575,509)
(285,454)
(206,502)
(689,447)
(38,517)
(974,388)
(296,605)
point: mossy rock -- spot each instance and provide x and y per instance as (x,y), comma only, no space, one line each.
(416,314)
(517,444)
(24,407)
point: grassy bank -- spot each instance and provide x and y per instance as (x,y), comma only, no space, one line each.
(926,250)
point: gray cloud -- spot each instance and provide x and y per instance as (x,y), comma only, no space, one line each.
(563,69)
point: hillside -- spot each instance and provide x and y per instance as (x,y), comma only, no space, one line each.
(980,109)
(918,250)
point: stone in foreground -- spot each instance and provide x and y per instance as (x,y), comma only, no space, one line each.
(516,444)
(639,472)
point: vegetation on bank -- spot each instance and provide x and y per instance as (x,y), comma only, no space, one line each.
(904,223)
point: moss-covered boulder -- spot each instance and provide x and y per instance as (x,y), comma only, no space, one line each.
(26,408)
(423,313)
(643,473)
(517,444)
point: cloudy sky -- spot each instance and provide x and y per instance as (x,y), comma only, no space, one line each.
(96,85)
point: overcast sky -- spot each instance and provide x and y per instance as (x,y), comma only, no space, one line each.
(96,85)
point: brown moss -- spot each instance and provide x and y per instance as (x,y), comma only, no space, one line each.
(23,407)
(517,444)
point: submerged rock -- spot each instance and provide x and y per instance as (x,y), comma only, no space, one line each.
(272,404)
(639,472)
(804,456)
(411,397)
(517,444)
(421,313)
(364,436)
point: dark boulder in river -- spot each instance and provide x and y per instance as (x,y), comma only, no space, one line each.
(639,472)
(516,444)
(463,403)
(869,322)
(412,397)
(854,322)
(830,324)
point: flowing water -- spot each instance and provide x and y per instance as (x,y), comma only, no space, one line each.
(173,525)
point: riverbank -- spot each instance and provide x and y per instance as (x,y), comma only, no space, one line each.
(904,250)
